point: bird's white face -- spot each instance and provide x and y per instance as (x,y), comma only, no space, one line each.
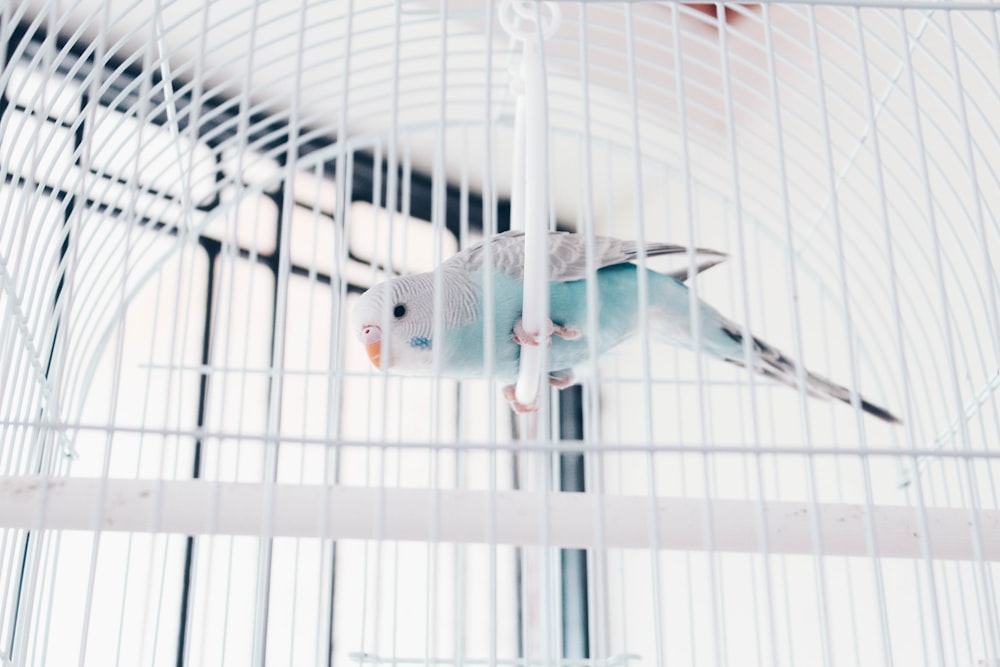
(395,321)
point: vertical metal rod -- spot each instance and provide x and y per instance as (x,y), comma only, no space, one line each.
(791,271)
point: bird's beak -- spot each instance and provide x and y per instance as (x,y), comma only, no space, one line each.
(371,336)
(374,351)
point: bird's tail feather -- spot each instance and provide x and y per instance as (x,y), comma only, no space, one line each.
(772,363)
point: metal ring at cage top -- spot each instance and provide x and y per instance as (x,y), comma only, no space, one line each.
(511,12)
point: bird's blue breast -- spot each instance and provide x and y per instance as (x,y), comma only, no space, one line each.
(617,313)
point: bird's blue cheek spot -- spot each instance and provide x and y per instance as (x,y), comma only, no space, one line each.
(420,343)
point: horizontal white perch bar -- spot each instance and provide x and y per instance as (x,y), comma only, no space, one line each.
(198,507)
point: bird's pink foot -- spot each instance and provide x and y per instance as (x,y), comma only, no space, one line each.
(523,337)
(509,392)
(569,333)
(561,379)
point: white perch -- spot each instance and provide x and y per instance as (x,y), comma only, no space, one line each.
(197,507)
(529,211)
(535,309)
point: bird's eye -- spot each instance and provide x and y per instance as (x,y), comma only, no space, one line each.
(399,311)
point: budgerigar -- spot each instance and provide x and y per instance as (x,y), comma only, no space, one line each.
(395,319)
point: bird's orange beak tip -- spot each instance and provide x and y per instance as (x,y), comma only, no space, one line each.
(374,351)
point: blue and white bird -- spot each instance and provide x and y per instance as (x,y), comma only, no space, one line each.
(395,320)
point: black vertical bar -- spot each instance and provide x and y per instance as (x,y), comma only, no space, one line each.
(573,562)
(212,248)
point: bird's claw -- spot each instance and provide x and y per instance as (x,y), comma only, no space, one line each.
(524,337)
(509,392)
(561,379)
(568,333)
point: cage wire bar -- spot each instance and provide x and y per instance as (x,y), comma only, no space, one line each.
(27,44)
(637,516)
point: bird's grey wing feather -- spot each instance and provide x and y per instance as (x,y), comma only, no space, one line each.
(683,274)
(568,255)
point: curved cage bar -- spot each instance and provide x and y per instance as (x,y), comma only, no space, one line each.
(199,465)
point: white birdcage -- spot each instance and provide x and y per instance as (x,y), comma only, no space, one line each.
(199,466)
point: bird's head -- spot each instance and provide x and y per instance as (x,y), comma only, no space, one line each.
(395,322)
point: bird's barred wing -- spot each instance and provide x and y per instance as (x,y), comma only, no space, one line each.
(568,255)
